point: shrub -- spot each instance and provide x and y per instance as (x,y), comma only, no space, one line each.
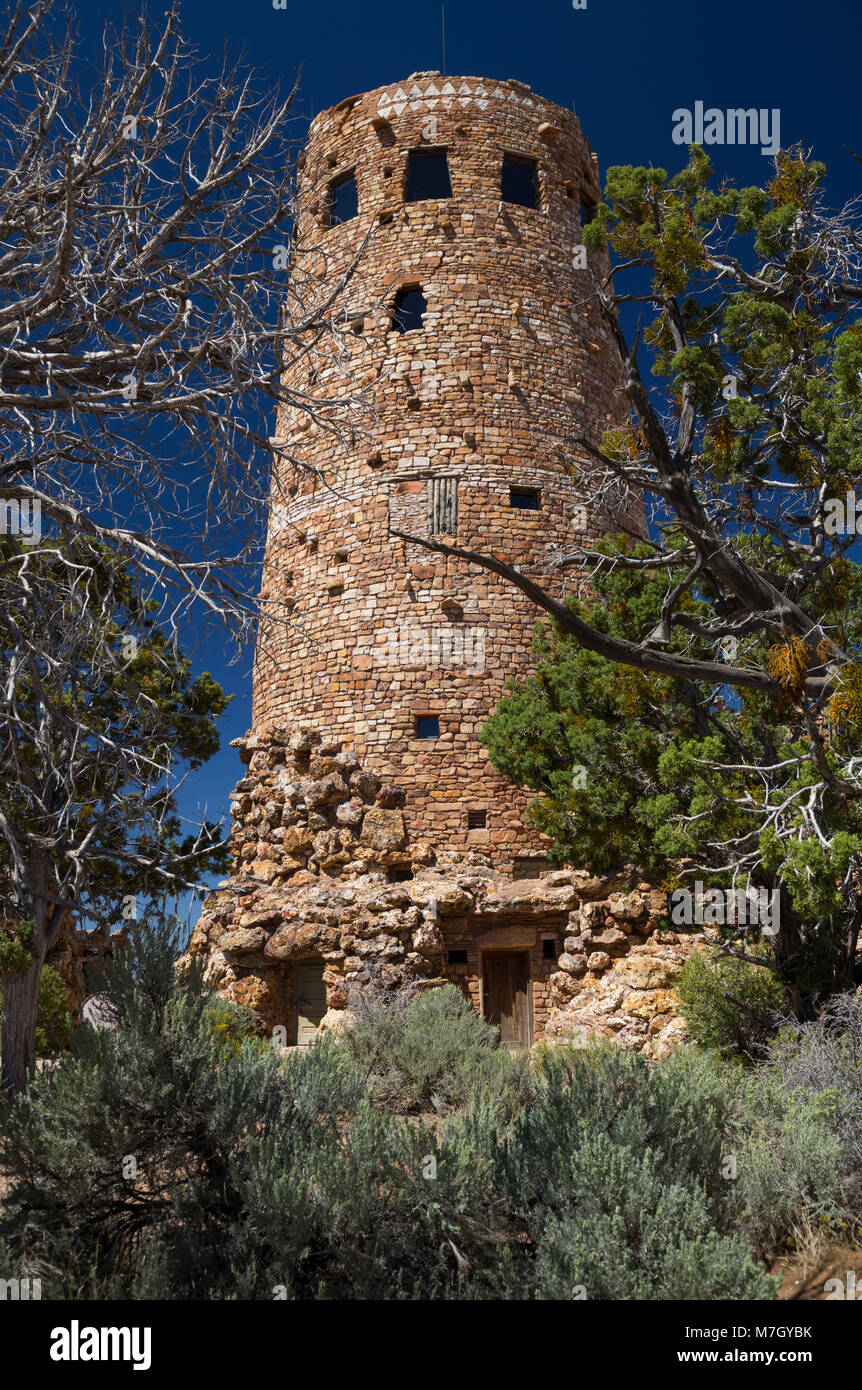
(798,1131)
(790,1178)
(231,1024)
(431,1051)
(53,1021)
(730,1004)
(612,1180)
(154,1162)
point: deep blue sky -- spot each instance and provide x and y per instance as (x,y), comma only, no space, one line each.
(625,64)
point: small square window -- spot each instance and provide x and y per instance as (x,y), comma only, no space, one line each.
(477,820)
(525,498)
(427,176)
(457,958)
(428,726)
(519,182)
(343,199)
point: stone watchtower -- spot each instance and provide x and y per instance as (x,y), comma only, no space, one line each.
(373,838)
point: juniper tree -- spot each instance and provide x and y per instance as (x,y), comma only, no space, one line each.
(712,686)
(103,713)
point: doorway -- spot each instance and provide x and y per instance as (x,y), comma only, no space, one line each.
(506,996)
(309,1000)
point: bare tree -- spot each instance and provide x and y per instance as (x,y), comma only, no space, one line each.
(145,329)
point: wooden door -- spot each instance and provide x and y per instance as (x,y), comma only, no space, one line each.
(309,1000)
(506,996)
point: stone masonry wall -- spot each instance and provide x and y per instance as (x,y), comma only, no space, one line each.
(363,632)
(316,835)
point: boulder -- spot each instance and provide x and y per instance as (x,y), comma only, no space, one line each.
(383,830)
(245,941)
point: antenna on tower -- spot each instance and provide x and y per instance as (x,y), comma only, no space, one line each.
(443,27)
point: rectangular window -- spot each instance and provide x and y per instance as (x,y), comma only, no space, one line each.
(525,498)
(519,181)
(549,949)
(343,199)
(588,212)
(443,506)
(457,958)
(427,176)
(428,726)
(524,867)
(409,309)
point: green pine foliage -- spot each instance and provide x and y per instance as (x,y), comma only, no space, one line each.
(730,1004)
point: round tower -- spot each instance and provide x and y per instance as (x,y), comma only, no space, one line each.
(476,355)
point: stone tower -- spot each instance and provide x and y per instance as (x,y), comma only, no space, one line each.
(467,437)
(372,835)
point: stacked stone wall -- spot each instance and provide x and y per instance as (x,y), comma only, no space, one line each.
(317,839)
(365,632)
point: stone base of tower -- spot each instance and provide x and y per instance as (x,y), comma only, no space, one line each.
(330,893)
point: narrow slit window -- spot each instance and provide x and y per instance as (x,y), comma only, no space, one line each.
(428,726)
(343,199)
(588,212)
(427,176)
(443,507)
(519,182)
(410,305)
(525,499)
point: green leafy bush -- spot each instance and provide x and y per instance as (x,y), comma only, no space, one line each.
(730,1004)
(232,1024)
(53,1021)
(16,946)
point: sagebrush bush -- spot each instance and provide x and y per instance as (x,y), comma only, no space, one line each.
(430,1052)
(155,1162)
(729,1004)
(612,1178)
(798,1132)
